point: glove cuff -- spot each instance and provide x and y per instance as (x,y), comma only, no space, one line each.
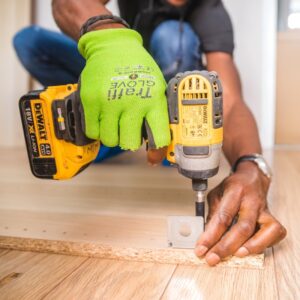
(96,40)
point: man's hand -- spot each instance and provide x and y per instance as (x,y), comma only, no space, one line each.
(121,88)
(242,195)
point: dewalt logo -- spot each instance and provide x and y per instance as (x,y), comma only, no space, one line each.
(40,121)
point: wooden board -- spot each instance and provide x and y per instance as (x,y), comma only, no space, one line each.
(115,210)
(98,250)
(93,278)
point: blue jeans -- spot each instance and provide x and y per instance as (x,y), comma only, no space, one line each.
(175,48)
(53,59)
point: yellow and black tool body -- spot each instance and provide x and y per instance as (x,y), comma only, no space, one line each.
(53,128)
(196,121)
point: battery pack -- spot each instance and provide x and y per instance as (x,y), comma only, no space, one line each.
(55,141)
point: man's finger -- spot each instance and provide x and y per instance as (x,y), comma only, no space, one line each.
(270,233)
(109,131)
(220,221)
(213,199)
(237,235)
(156,156)
(130,131)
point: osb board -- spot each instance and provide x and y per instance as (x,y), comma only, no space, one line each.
(102,237)
(115,210)
(95,250)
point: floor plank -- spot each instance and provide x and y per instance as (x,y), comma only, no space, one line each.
(287,208)
(223,283)
(19,262)
(3,251)
(28,275)
(107,279)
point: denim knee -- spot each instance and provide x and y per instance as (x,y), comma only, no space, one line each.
(175,47)
(26,43)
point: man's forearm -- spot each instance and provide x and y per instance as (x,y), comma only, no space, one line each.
(240,130)
(240,133)
(71,14)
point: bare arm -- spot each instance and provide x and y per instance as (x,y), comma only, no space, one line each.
(240,130)
(71,14)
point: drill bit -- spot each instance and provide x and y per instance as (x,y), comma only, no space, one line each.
(200,203)
(200,187)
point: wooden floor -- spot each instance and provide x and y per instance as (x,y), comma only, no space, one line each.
(29,275)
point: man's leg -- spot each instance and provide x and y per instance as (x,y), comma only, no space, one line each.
(50,57)
(53,59)
(176,48)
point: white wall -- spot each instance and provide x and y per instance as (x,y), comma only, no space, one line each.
(14,14)
(43,14)
(255,37)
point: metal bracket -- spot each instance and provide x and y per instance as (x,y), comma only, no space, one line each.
(184,231)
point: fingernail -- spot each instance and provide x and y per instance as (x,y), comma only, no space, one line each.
(152,164)
(201,250)
(243,251)
(212,259)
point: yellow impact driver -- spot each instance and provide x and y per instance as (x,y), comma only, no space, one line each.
(57,147)
(196,122)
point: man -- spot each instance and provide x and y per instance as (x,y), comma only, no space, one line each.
(115,105)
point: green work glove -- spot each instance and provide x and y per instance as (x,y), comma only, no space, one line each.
(121,86)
